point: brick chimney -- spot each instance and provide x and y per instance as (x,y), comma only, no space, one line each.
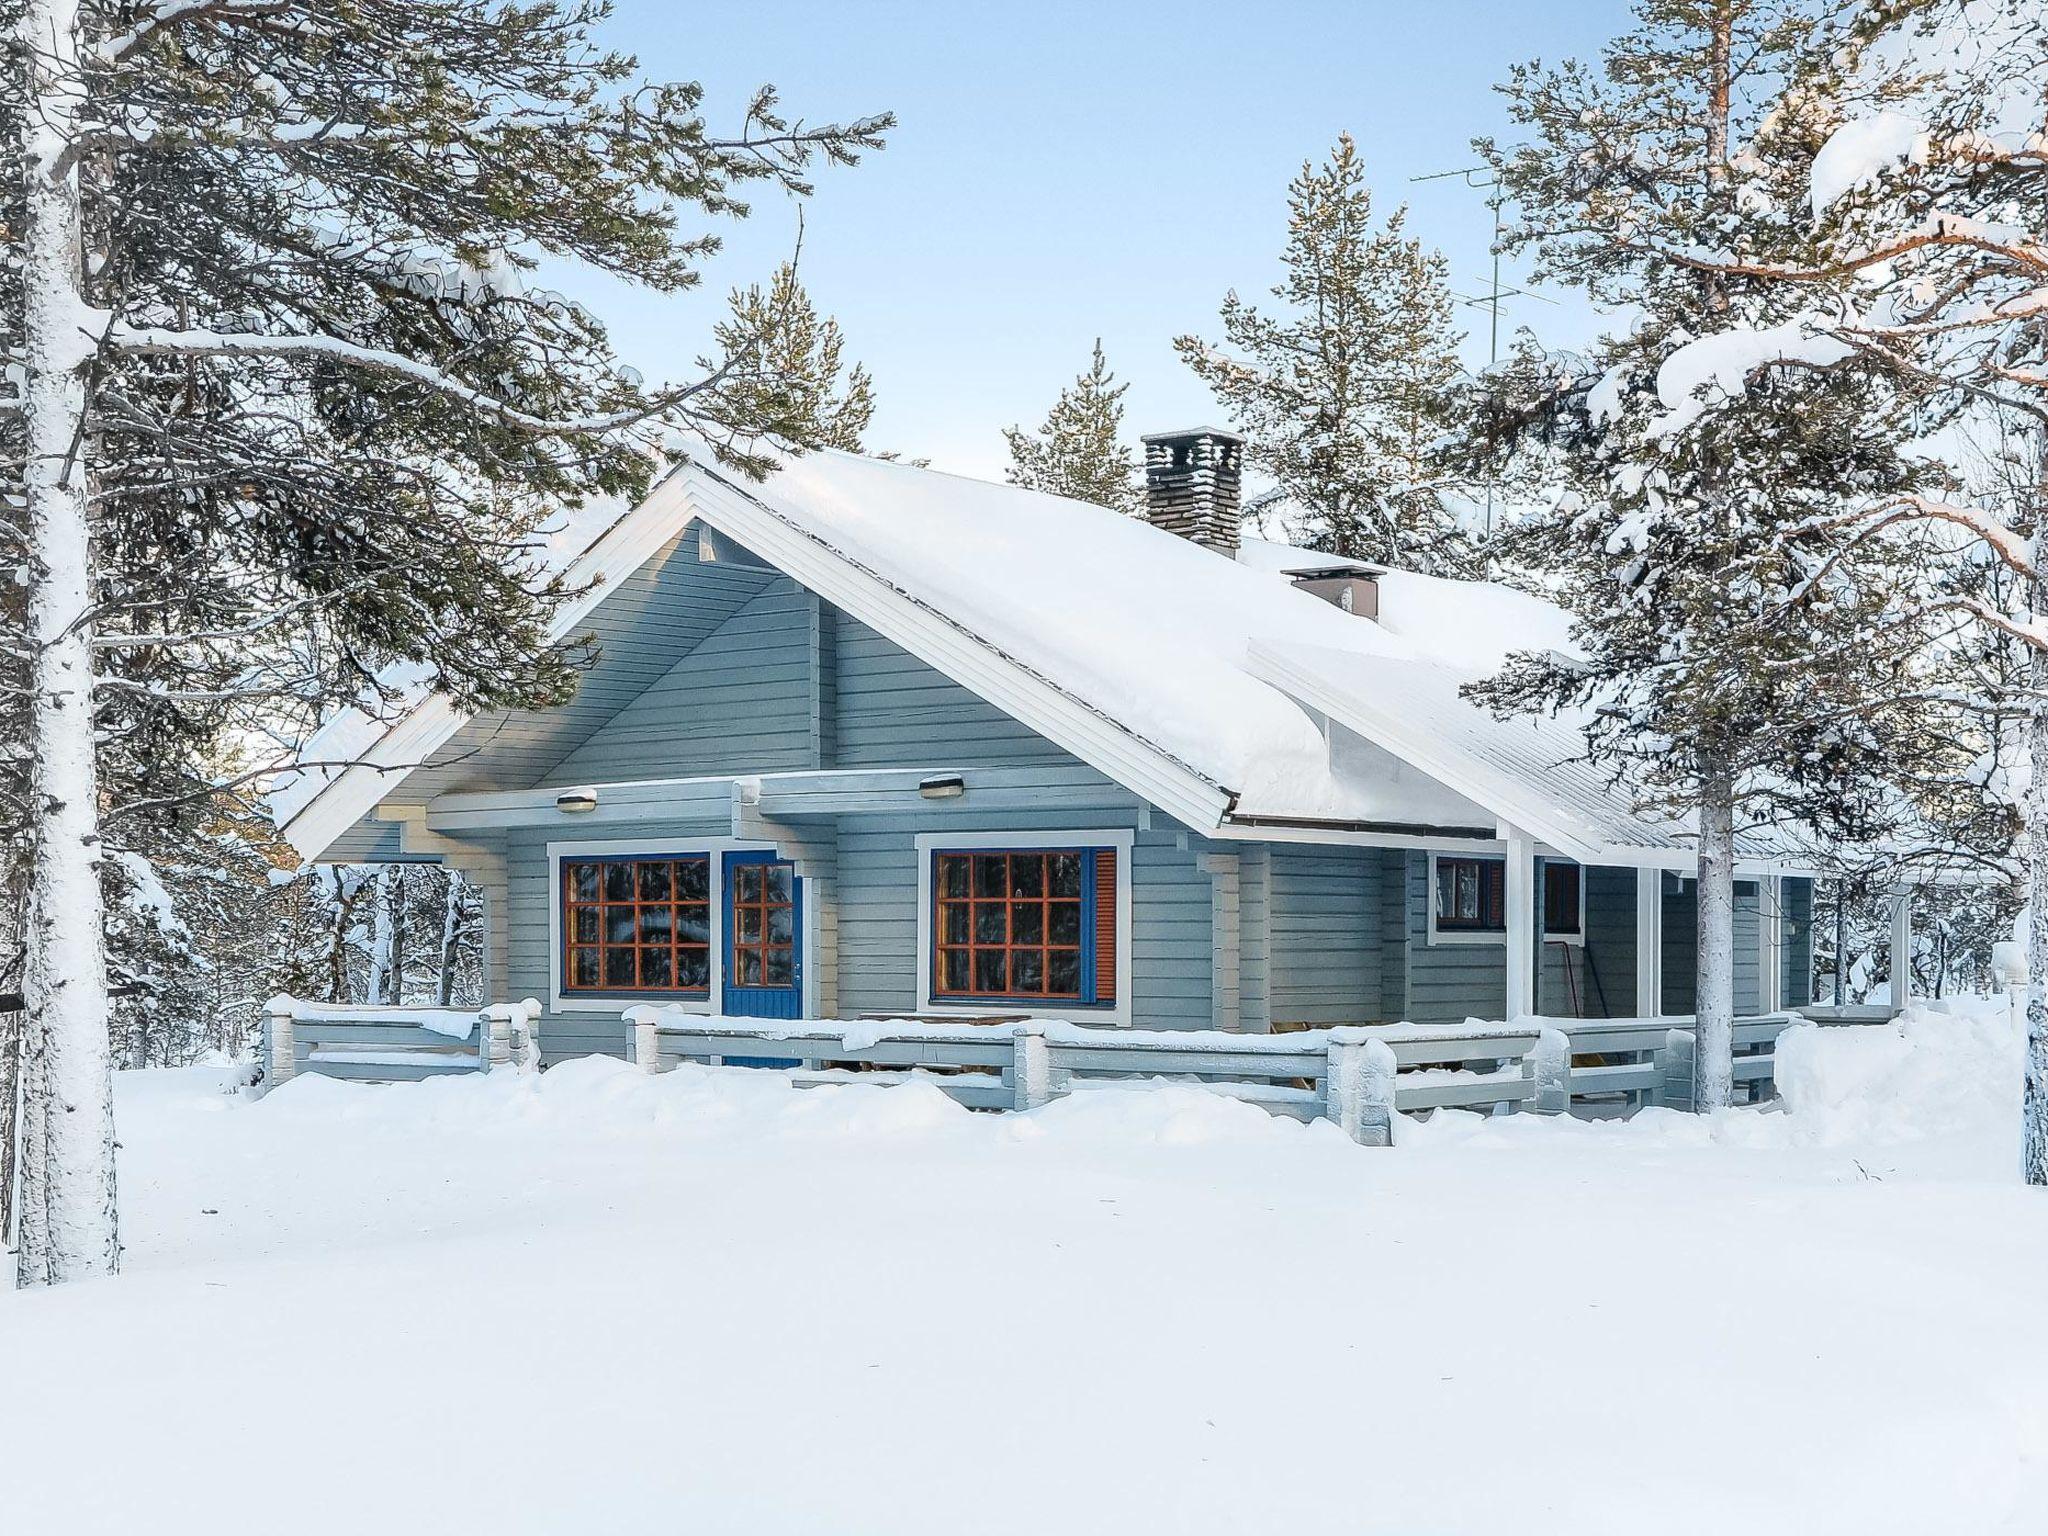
(1194,485)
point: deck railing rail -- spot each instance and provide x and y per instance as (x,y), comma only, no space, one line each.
(1360,1077)
(380,1043)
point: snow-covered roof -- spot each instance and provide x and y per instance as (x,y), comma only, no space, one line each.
(1206,685)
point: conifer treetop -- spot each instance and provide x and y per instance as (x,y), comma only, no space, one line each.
(1078,452)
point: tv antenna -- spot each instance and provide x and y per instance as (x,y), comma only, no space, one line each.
(1483,178)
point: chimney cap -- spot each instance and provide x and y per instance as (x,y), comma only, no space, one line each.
(1187,432)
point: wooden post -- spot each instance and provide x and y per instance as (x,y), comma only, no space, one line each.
(1030,1067)
(1770,919)
(527,1031)
(1358,1086)
(1649,943)
(1550,1066)
(1519,893)
(494,1045)
(284,1060)
(1902,948)
(1676,1060)
(646,1040)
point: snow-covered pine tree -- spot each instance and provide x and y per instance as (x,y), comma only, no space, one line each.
(1342,394)
(285,413)
(1670,484)
(1079,452)
(1930,198)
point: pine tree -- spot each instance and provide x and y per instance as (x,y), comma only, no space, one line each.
(786,382)
(289,412)
(1687,519)
(1343,395)
(1077,452)
(1931,214)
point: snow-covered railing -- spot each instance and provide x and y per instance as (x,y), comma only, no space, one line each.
(1357,1077)
(381,1043)
(1651,1061)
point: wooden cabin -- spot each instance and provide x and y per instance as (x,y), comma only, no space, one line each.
(870,739)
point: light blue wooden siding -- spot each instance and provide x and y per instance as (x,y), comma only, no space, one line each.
(1325,935)
(787,683)
(1595,979)
(1392,876)
(1611,940)
(739,703)
(1448,983)
(646,623)
(893,711)
(1796,983)
(1255,923)
(367,842)
(1681,946)
(880,961)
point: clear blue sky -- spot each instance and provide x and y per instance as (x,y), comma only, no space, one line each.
(1064,171)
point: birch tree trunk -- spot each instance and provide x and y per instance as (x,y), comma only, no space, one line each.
(10,1119)
(384,935)
(452,926)
(2034,1095)
(343,913)
(67,1223)
(1714,1002)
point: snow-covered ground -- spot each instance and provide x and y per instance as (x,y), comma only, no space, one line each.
(595,1301)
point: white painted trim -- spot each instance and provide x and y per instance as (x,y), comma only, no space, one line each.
(1650,943)
(713,848)
(1435,937)
(1121,839)
(1770,927)
(1902,948)
(1519,897)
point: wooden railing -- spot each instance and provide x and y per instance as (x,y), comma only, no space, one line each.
(379,1044)
(1358,1077)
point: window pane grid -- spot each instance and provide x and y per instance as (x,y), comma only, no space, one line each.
(1009,925)
(637,925)
(763,925)
(1469,894)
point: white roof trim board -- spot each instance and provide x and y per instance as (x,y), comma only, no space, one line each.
(1202,685)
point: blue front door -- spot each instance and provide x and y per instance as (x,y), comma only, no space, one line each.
(764,924)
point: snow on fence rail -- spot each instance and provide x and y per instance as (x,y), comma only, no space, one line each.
(388,1044)
(1358,1077)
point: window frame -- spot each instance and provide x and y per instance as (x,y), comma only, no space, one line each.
(930,999)
(561,1001)
(631,858)
(1561,935)
(1436,933)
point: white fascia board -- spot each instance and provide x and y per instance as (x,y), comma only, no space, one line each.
(624,546)
(1506,798)
(969,660)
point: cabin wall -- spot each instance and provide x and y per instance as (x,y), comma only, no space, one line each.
(1595,979)
(788,683)
(1171,915)
(1681,946)
(1447,983)
(1326,935)
(1795,986)
(739,703)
